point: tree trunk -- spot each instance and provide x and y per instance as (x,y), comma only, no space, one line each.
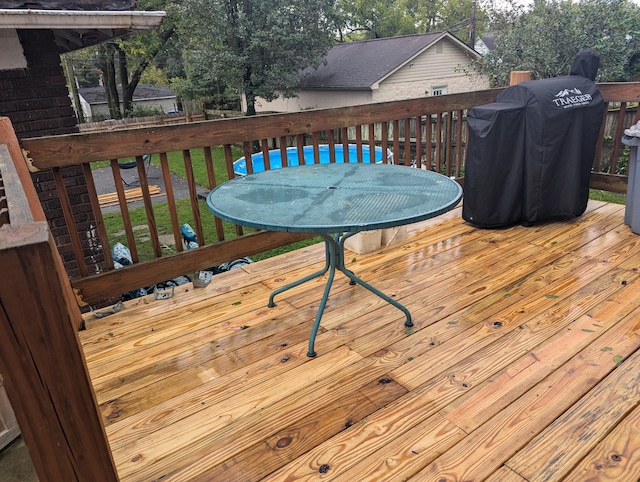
(129,82)
(73,87)
(109,80)
(127,87)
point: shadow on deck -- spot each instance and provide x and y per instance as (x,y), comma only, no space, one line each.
(523,364)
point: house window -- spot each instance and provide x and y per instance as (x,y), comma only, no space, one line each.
(439,90)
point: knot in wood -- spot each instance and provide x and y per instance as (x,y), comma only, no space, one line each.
(283,442)
(324,468)
(384,381)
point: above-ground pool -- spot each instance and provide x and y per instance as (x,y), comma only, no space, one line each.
(275,157)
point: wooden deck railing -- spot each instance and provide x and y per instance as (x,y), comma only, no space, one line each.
(41,361)
(430,132)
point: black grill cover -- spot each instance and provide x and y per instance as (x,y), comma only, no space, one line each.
(493,180)
(535,167)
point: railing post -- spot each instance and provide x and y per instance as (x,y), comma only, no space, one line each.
(518,76)
(42,363)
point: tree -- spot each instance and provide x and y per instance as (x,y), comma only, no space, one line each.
(122,62)
(258,46)
(367,19)
(546,38)
(132,56)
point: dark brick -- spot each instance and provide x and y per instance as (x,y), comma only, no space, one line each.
(37,101)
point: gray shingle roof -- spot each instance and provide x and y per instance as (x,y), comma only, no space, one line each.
(359,65)
(97,95)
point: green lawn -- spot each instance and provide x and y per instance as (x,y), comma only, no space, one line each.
(115,226)
(610,197)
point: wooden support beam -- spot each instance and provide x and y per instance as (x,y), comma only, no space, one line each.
(115,282)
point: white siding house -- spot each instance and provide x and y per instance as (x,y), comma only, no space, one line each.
(385,69)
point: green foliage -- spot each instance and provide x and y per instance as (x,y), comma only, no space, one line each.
(258,46)
(143,111)
(155,76)
(202,82)
(546,38)
(367,19)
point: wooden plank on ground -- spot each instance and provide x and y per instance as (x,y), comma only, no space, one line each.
(193,348)
(406,459)
(505,474)
(492,444)
(131,195)
(489,398)
(234,419)
(567,289)
(213,389)
(300,437)
(382,429)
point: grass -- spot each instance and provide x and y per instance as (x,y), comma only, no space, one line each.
(115,226)
(610,197)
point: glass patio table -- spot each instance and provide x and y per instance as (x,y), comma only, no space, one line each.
(334,201)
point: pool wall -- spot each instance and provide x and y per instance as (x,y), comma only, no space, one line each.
(275,157)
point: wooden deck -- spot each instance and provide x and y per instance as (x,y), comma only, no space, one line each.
(523,364)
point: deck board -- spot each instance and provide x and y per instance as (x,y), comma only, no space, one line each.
(522,364)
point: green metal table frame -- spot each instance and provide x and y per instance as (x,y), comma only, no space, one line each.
(334,249)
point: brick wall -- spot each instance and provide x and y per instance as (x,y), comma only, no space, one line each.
(37,101)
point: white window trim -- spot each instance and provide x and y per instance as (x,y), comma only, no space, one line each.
(439,90)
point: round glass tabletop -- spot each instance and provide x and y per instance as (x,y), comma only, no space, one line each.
(334,198)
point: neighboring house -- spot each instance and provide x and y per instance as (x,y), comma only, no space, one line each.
(486,44)
(385,69)
(94,100)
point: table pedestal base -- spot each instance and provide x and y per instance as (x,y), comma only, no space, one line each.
(334,248)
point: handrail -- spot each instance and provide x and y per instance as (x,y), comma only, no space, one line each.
(59,151)
(20,208)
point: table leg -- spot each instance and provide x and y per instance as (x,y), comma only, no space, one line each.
(332,253)
(334,259)
(354,279)
(271,303)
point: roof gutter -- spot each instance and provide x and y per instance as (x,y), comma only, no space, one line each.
(69,19)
